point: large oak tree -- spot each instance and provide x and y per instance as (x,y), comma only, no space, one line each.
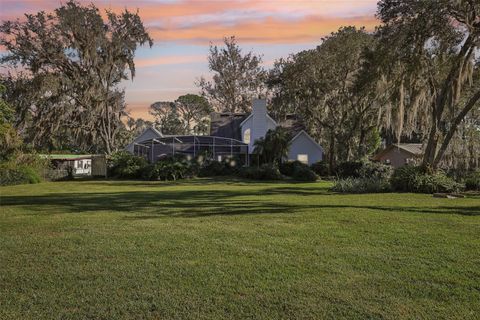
(72,62)
(427,57)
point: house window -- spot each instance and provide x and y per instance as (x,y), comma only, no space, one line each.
(246,136)
(303,158)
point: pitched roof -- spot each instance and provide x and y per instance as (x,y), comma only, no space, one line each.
(66,157)
(251,114)
(308,137)
(415,149)
(293,124)
(227,125)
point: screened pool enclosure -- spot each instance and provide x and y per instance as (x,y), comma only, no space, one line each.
(215,148)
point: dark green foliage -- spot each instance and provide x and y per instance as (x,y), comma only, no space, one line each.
(169,168)
(264,172)
(414,179)
(375,170)
(473,181)
(404,178)
(361,185)
(287,168)
(364,169)
(363,177)
(12,175)
(320,168)
(304,173)
(349,169)
(124,165)
(22,169)
(217,168)
(298,171)
(273,148)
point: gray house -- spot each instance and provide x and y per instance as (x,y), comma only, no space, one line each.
(250,127)
(230,135)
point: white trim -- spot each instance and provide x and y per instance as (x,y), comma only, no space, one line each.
(251,114)
(156,131)
(308,136)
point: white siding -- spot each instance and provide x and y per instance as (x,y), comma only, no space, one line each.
(258,122)
(303,145)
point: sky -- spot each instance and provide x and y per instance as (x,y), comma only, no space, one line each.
(183,30)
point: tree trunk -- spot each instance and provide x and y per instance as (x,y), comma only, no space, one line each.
(448,137)
(331,153)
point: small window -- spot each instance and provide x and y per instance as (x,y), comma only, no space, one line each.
(303,158)
(246,136)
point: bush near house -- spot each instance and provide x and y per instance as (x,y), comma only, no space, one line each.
(414,179)
(219,168)
(361,185)
(472,182)
(320,168)
(169,168)
(363,177)
(288,168)
(298,171)
(264,172)
(124,165)
(364,169)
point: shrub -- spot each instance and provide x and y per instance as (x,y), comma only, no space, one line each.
(473,181)
(375,170)
(364,169)
(288,168)
(264,172)
(22,168)
(349,169)
(320,168)
(361,185)
(213,169)
(301,173)
(168,168)
(413,179)
(124,165)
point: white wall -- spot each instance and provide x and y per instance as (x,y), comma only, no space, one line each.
(259,123)
(303,145)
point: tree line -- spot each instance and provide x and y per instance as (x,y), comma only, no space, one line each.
(414,79)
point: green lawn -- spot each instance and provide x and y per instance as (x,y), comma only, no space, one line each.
(205,249)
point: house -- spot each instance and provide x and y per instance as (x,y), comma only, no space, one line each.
(250,127)
(230,135)
(398,155)
(148,134)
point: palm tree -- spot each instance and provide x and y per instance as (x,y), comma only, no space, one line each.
(274,147)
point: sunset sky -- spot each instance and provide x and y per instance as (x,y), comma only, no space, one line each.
(183,29)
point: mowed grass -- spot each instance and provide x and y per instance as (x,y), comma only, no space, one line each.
(206,249)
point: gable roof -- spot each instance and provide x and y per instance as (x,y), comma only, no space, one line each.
(303,132)
(226,125)
(141,137)
(414,149)
(251,115)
